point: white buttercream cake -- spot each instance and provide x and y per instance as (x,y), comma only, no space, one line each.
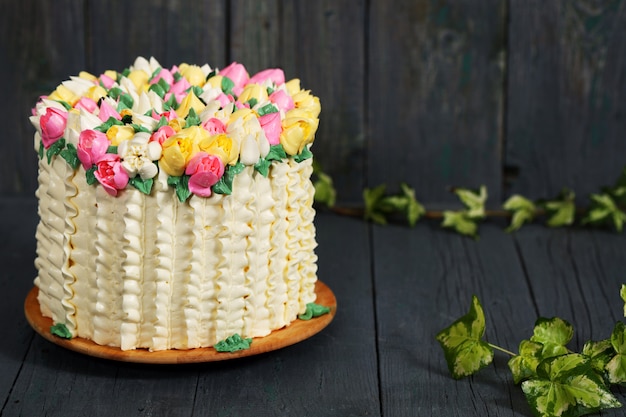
(176,207)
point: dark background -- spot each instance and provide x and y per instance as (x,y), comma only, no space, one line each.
(523,96)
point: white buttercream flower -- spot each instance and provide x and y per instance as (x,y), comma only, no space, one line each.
(138,155)
(88,121)
(148,101)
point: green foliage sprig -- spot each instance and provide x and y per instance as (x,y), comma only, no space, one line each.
(556,381)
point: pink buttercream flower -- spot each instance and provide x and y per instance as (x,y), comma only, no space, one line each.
(86,103)
(52,123)
(162,134)
(214,126)
(165,75)
(275,75)
(180,86)
(205,170)
(107,81)
(92,146)
(237,74)
(282,100)
(110,173)
(271,125)
(106,111)
(224,99)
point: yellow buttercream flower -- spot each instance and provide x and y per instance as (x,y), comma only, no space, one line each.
(215,81)
(177,124)
(299,128)
(253,91)
(192,73)
(111,74)
(62,93)
(117,134)
(293,86)
(96,93)
(87,76)
(243,113)
(140,79)
(180,148)
(188,103)
(305,101)
(221,146)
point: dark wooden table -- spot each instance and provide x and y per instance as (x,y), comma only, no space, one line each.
(396,287)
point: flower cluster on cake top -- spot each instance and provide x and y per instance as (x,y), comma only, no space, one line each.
(198,125)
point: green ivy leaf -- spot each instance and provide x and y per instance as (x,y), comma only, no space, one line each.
(603,209)
(461,342)
(70,155)
(474,200)
(55,149)
(60,330)
(233,344)
(567,386)
(622,293)
(562,211)
(461,222)
(616,367)
(524,365)
(325,192)
(313,310)
(112,149)
(523,211)
(414,210)
(553,334)
(599,353)
(372,198)
(145,186)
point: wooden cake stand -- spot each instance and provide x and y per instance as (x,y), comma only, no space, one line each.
(297,331)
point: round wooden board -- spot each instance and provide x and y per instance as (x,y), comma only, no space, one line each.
(297,331)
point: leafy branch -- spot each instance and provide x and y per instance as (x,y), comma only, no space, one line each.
(556,381)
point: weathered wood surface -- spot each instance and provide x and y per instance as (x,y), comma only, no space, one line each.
(396,287)
(522,97)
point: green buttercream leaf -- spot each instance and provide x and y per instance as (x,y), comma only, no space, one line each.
(70,155)
(192,119)
(263,166)
(162,122)
(115,92)
(616,367)
(523,211)
(41,150)
(106,125)
(181,186)
(157,89)
(171,103)
(253,102)
(126,102)
(155,72)
(145,186)
(64,104)
(139,128)
(276,153)
(60,330)
(177,76)
(233,344)
(524,365)
(567,386)
(90,176)
(164,85)
(55,149)
(227,85)
(304,155)
(267,109)
(313,310)
(462,343)
(112,149)
(225,184)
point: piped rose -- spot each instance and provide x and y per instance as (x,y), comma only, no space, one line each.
(92,146)
(178,150)
(205,170)
(110,174)
(52,124)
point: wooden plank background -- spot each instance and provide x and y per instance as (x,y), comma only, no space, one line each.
(524,96)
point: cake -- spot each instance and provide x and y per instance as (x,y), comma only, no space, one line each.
(175,205)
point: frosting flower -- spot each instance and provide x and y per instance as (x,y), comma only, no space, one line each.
(282,100)
(138,155)
(110,174)
(271,125)
(92,146)
(52,125)
(221,146)
(117,134)
(205,171)
(237,74)
(299,129)
(162,134)
(274,75)
(178,150)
